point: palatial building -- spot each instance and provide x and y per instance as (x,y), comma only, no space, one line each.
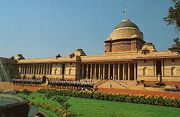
(126,57)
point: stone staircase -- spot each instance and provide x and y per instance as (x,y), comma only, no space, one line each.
(120,84)
(99,83)
(117,84)
(109,84)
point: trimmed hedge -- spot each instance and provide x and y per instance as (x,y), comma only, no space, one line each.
(139,99)
(39,100)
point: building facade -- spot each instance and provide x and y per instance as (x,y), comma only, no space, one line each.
(127,57)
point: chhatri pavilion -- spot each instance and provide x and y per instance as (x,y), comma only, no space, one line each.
(127,57)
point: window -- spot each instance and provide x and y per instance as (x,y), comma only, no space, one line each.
(173,70)
(145,61)
(70,71)
(144,71)
(172,60)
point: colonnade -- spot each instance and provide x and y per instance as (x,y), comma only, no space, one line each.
(110,71)
(44,69)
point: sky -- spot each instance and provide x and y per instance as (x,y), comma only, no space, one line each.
(45,28)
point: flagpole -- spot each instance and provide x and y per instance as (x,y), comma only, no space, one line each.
(125,13)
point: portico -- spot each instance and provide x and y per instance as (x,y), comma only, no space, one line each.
(109,71)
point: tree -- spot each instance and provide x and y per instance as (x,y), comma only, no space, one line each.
(175,47)
(174,18)
(174,14)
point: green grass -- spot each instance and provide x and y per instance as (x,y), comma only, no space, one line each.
(101,108)
(48,112)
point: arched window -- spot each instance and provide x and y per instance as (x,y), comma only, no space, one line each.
(55,70)
(69,71)
(144,71)
(173,70)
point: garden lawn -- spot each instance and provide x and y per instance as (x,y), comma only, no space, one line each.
(48,112)
(102,108)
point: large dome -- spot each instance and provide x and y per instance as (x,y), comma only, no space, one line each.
(125,30)
(126,36)
(126,23)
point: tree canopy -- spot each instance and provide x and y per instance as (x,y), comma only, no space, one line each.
(174,18)
(175,47)
(174,14)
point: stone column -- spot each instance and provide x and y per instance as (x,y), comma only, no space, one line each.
(48,69)
(129,72)
(33,69)
(44,68)
(22,69)
(82,71)
(29,69)
(123,70)
(90,71)
(154,67)
(135,71)
(95,65)
(86,71)
(32,66)
(118,71)
(104,71)
(114,72)
(37,69)
(99,74)
(162,69)
(109,71)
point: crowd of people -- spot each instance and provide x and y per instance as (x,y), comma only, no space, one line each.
(27,81)
(55,83)
(71,84)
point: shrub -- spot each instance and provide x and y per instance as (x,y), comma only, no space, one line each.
(140,99)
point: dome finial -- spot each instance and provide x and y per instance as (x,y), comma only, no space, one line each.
(125,13)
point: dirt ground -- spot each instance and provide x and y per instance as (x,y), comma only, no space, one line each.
(8,86)
(141,92)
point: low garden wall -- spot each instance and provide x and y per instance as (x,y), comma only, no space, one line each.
(17,109)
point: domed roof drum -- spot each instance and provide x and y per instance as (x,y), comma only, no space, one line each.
(125,30)
(126,23)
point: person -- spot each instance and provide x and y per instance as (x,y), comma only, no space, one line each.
(110,86)
(126,85)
